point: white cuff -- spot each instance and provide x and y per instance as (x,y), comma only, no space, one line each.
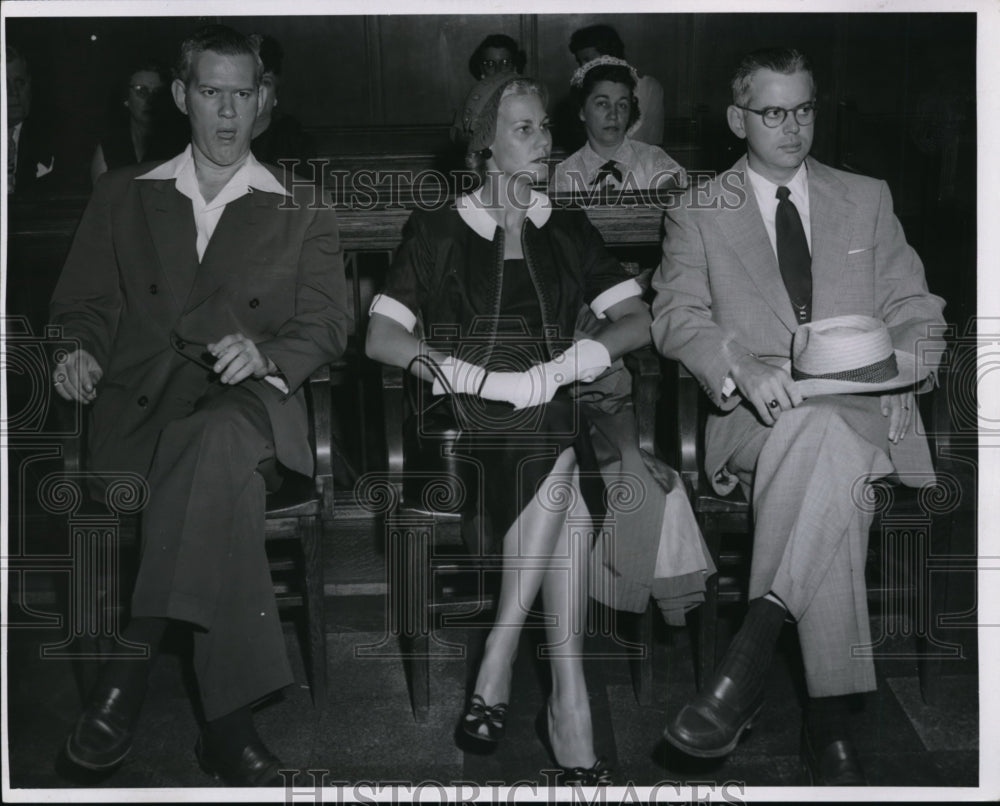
(277,383)
(728,388)
(397,311)
(614,295)
(584,361)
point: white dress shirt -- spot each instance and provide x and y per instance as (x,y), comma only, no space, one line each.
(767,200)
(250,176)
(643,167)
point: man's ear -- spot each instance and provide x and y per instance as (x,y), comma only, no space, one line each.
(179,91)
(736,118)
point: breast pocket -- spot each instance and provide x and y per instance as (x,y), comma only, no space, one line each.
(857,284)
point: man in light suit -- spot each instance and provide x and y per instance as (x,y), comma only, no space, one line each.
(203,294)
(741,272)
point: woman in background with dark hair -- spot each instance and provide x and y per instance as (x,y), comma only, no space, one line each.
(588,43)
(144,133)
(497,53)
(481,300)
(604,92)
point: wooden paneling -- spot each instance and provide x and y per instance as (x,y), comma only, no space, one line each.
(425,62)
(327,77)
(377,86)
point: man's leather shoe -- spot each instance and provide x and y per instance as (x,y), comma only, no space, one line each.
(711,724)
(102,735)
(836,765)
(256,766)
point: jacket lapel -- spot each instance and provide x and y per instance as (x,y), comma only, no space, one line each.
(230,246)
(830,220)
(171,225)
(744,229)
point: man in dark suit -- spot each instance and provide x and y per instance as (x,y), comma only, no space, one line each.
(778,242)
(203,293)
(31,159)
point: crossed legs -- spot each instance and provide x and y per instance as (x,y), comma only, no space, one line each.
(807,472)
(543,553)
(203,563)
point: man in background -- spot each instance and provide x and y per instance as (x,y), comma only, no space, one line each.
(30,156)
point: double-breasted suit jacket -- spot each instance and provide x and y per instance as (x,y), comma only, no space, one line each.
(136,297)
(720,296)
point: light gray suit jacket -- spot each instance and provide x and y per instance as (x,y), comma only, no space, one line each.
(720,294)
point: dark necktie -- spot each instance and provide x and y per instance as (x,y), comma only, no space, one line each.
(793,256)
(608,169)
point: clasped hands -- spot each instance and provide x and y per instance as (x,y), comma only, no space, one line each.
(771,390)
(584,361)
(75,378)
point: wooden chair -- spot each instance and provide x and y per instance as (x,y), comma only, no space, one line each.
(430,571)
(924,517)
(295,518)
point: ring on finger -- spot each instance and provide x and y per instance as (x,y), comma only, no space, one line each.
(773,404)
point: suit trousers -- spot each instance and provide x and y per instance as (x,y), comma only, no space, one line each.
(203,558)
(808,476)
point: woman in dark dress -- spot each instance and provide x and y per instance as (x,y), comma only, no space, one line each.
(481,301)
(143,132)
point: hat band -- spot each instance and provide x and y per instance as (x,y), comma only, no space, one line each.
(879,372)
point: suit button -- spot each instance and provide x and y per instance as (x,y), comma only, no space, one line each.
(153,289)
(254,302)
(181,344)
(143,402)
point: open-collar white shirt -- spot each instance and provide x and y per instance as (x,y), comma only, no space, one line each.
(250,176)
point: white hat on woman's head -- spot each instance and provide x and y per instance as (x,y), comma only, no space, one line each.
(849,355)
(577,79)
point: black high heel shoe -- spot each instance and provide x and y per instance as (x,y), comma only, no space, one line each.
(600,774)
(480,715)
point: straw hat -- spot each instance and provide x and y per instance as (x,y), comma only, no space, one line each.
(847,355)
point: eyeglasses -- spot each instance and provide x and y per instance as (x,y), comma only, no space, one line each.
(489,64)
(774,116)
(143,91)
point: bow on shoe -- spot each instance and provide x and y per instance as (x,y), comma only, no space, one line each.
(598,775)
(481,715)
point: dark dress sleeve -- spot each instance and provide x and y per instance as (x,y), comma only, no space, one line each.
(601,270)
(409,276)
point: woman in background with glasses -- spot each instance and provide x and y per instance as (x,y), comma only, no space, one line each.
(141,132)
(497,53)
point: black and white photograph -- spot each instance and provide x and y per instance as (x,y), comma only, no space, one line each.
(500,403)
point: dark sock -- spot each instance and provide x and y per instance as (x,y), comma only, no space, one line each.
(827,720)
(130,674)
(749,655)
(230,733)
